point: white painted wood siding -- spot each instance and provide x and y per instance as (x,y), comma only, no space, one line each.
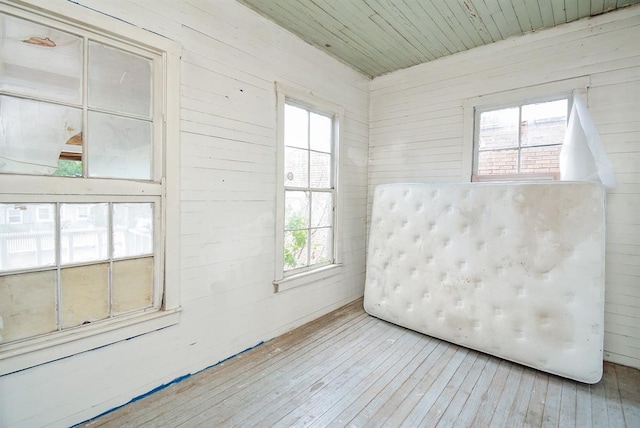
(231,59)
(417,132)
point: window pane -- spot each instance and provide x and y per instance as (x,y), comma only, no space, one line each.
(320,245)
(132,229)
(320,171)
(544,123)
(540,159)
(499,128)
(296,252)
(296,167)
(296,210)
(296,127)
(321,209)
(498,162)
(39,60)
(33,135)
(27,305)
(132,284)
(119,147)
(320,133)
(83,233)
(119,81)
(25,240)
(85,295)
(69,168)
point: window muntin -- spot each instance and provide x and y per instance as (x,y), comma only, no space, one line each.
(520,140)
(74,103)
(309,189)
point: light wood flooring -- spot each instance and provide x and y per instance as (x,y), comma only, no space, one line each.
(350,369)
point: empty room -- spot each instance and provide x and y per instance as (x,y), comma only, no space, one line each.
(348,213)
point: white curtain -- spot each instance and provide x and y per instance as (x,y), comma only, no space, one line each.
(583,157)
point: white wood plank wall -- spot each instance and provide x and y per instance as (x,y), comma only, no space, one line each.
(231,59)
(416,132)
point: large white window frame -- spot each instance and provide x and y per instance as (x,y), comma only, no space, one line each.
(514,97)
(300,97)
(162,190)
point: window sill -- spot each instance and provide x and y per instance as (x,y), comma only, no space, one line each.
(549,176)
(30,353)
(293,281)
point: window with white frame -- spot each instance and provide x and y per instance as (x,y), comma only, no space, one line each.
(520,140)
(44,213)
(14,215)
(85,135)
(308,159)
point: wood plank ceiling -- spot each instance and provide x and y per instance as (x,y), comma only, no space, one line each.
(380,36)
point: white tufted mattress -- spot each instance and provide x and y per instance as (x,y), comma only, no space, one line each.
(513,270)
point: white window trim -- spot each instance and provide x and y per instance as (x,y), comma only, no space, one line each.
(526,95)
(282,282)
(21,355)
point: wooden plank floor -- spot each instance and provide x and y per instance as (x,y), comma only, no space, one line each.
(350,369)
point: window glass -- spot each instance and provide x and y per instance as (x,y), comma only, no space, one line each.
(33,135)
(321,209)
(544,123)
(26,242)
(296,211)
(524,139)
(119,147)
(40,61)
(132,229)
(44,213)
(296,127)
(119,81)
(320,245)
(320,135)
(320,174)
(84,235)
(296,167)
(499,128)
